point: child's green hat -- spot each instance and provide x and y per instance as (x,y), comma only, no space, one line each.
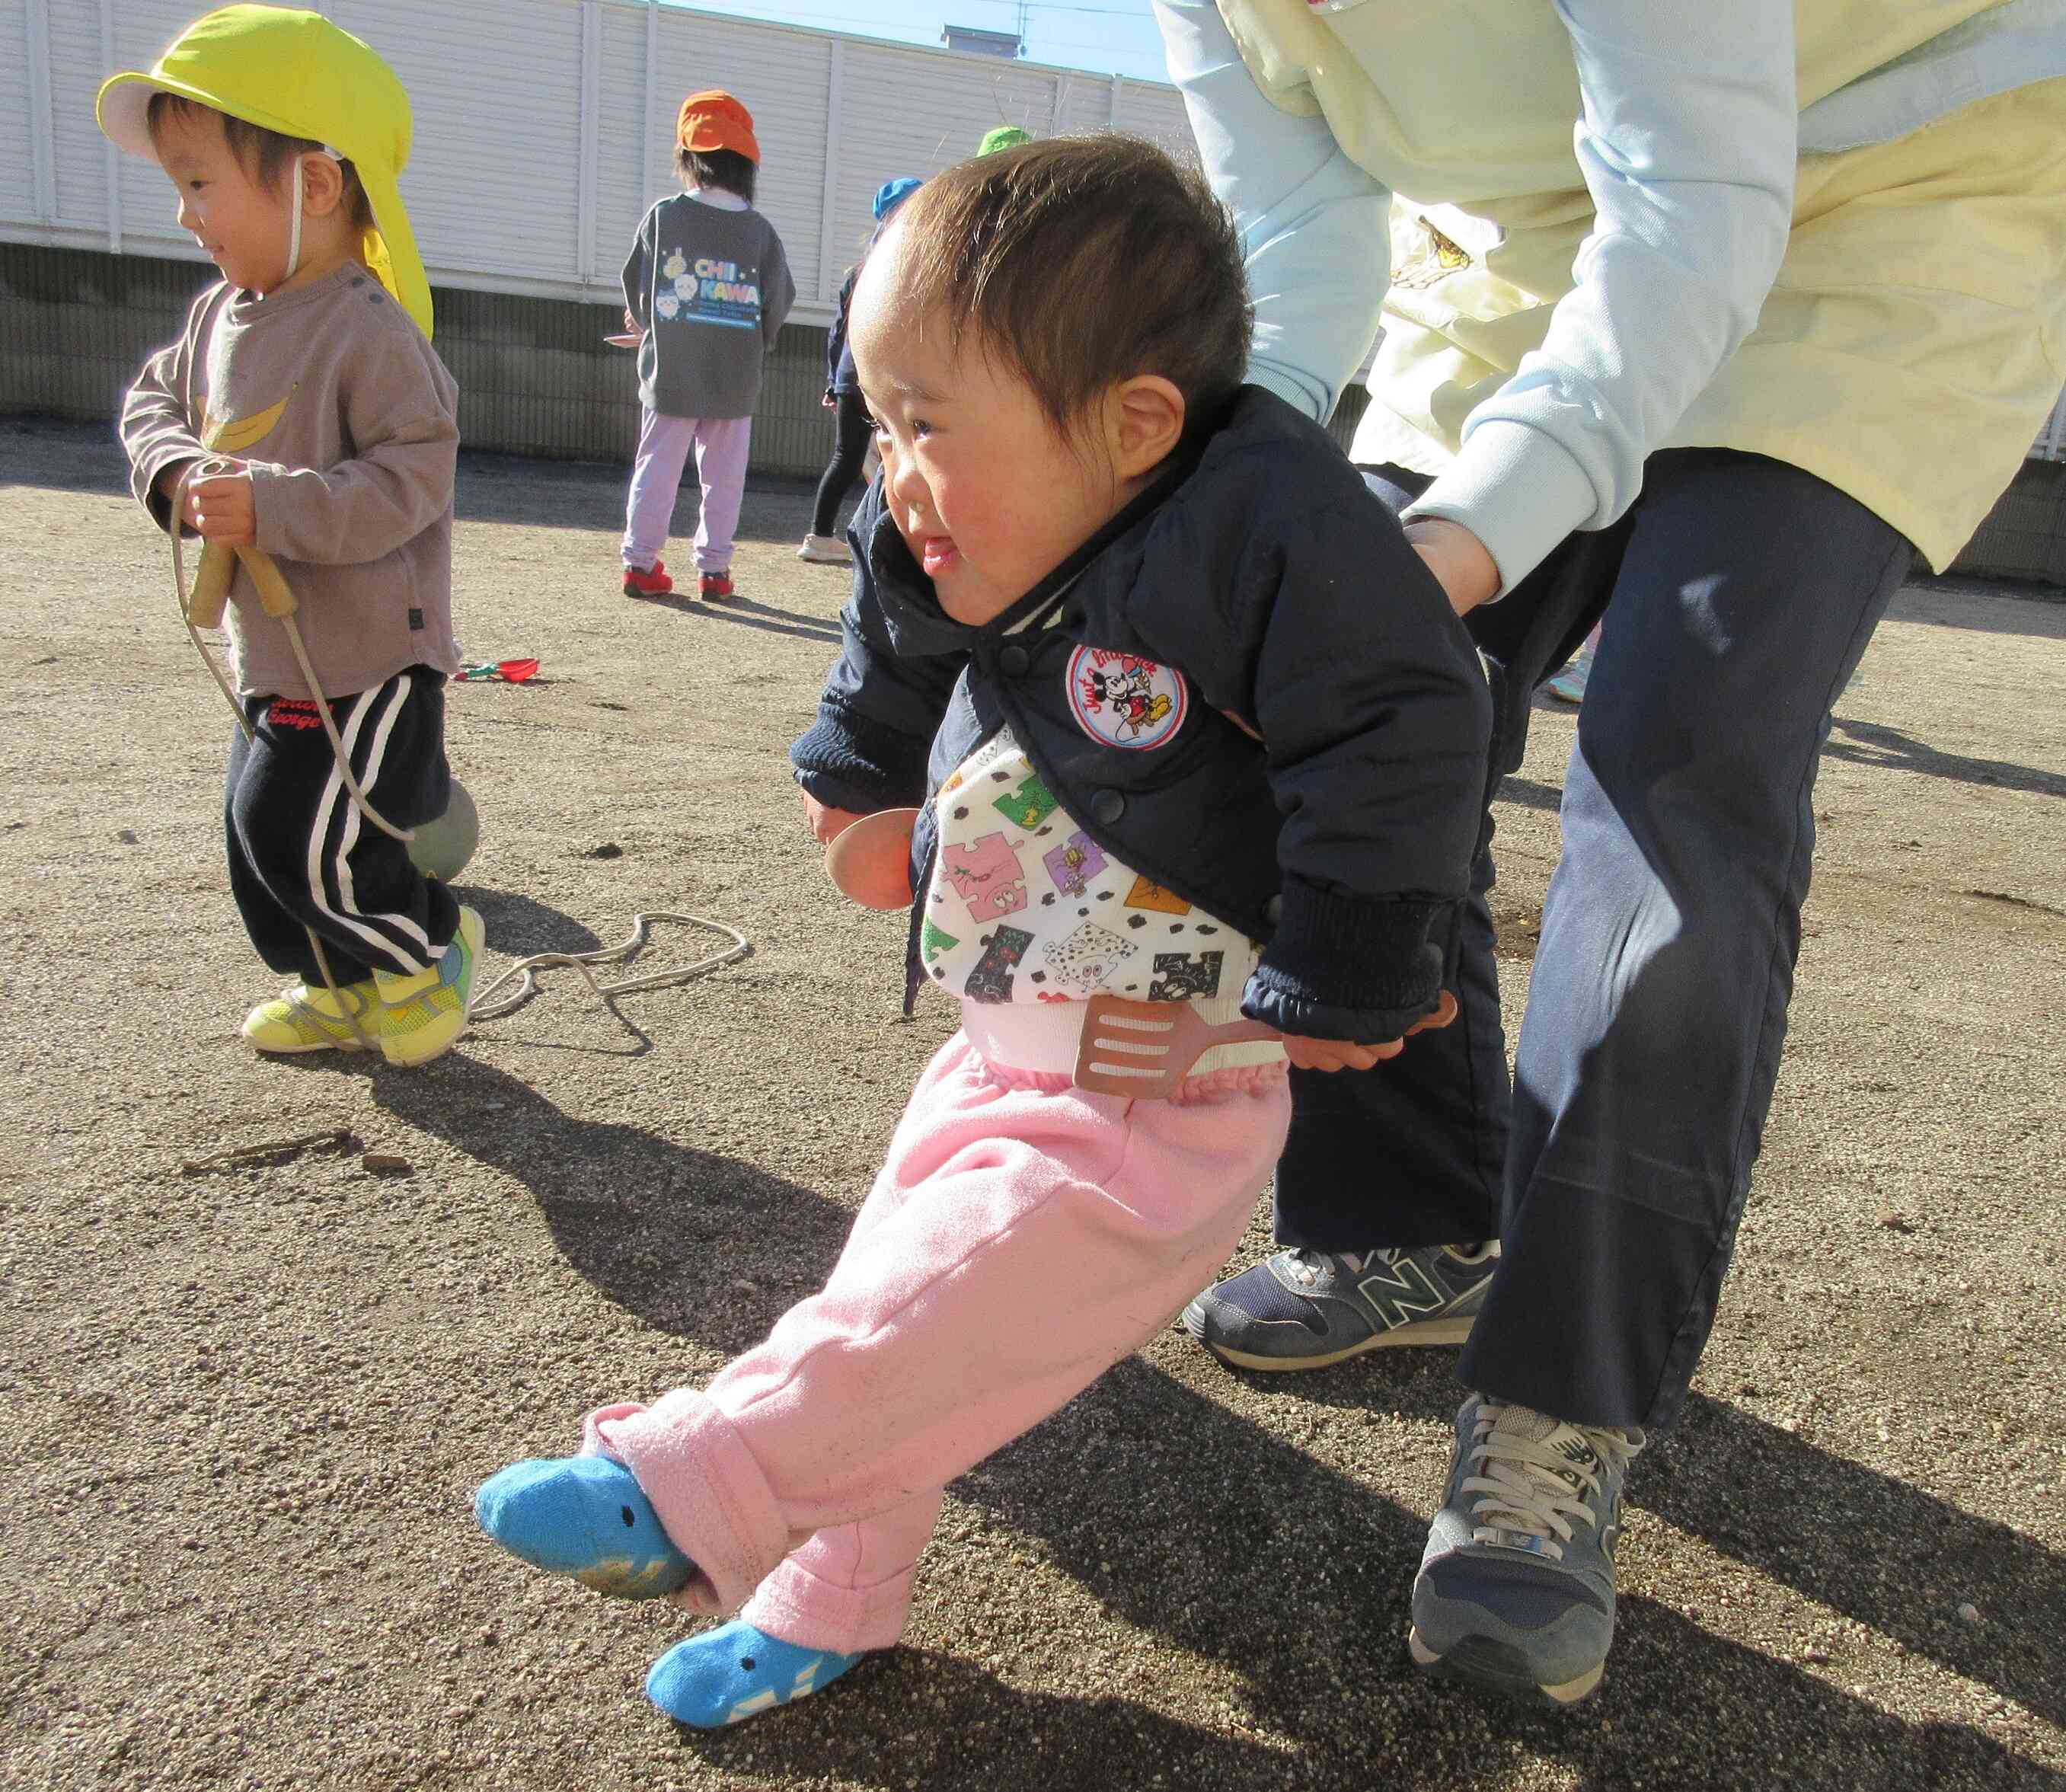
(1005,136)
(297,74)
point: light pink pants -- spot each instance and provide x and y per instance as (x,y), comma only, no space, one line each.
(1022,1237)
(721,446)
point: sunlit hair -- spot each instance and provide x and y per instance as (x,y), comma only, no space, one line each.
(265,155)
(718,168)
(1078,262)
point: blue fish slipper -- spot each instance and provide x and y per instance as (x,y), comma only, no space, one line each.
(585,1516)
(736,1672)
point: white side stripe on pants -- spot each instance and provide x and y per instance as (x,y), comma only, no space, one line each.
(346,913)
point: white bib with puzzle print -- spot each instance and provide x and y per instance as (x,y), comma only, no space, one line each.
(1025,907)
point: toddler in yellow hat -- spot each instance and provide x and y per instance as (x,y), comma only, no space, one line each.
(303,412)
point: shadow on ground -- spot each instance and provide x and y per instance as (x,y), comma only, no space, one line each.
(1236,1547)
(1187,1521)
(1871,743)
(629,1210)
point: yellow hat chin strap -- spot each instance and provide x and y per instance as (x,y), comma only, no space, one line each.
(294,231)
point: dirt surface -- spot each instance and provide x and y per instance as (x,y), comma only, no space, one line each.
(244,1409)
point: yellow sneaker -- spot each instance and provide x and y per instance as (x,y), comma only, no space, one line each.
(305,1019)
(422,1016)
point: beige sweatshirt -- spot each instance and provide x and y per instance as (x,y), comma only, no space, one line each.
(348,422)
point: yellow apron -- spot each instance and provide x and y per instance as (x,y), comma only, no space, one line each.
(1907,353)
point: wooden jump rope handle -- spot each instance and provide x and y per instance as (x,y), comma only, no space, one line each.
(210,595)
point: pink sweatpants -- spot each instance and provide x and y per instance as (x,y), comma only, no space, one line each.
(721,446)
(1022,1237)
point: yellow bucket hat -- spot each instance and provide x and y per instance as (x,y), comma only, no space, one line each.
(297,74)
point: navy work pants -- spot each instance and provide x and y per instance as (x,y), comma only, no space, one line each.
(1738,594)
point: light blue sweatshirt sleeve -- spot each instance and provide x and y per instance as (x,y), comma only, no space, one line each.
(1314,228)
(1687,146)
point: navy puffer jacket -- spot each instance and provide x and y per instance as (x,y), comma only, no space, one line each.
(1257,579)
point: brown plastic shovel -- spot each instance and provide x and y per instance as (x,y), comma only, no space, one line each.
(1146,1049)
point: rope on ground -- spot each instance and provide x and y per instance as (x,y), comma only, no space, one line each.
(486,1006)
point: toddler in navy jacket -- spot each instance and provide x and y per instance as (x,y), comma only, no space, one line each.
(1190,723)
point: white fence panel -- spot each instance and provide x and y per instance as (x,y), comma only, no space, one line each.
(544,128)
(18,167)
(780,76)
(148,206)
(493,182)
(2050,443)
(76,77)
(1156,113)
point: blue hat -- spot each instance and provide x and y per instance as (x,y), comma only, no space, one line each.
(892,193)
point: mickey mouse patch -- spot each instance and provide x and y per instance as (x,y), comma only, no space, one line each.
(1125,701)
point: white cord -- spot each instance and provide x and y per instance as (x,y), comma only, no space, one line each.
(207,469)
(483,1006)
(188,473)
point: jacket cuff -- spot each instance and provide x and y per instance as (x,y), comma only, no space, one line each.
(1360,968)
(847,762)
(823,788)
(1518,490)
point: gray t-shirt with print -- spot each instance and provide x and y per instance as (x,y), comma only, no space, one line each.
(710,287)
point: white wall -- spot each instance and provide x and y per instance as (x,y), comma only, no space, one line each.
(545,127)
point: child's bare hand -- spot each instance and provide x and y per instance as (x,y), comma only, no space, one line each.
(826,824)
(631,324)
(221,508)
(1337,1054)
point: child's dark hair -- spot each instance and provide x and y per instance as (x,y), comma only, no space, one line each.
(1080,261)
(266,153)
(718,168)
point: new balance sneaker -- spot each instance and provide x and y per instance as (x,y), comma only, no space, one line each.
(824,550)
(713,587)
(1305,1309)
(305,1019)
(422,1015)
(1569,686)
(1516,1591)
(651,581)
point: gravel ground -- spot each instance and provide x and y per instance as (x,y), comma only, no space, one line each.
(244,1408)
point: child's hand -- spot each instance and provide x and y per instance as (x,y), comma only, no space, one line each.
(826,824)
(1339,1054)
(1462,566)
(631,324)
(221,508)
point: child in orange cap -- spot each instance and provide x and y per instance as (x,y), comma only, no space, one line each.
(707,285)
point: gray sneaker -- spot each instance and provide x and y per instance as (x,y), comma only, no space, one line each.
(1516,1591)
(1305,1309)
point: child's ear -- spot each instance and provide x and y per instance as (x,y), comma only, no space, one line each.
(1147,421)
(322,185)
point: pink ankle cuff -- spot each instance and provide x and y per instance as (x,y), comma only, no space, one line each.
(795,1605)
(711,1498)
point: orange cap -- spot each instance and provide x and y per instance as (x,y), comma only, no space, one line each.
(715,120)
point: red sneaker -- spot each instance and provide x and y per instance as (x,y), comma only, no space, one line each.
(654,584)
(716,586)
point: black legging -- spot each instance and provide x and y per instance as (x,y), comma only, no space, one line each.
(849,449)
